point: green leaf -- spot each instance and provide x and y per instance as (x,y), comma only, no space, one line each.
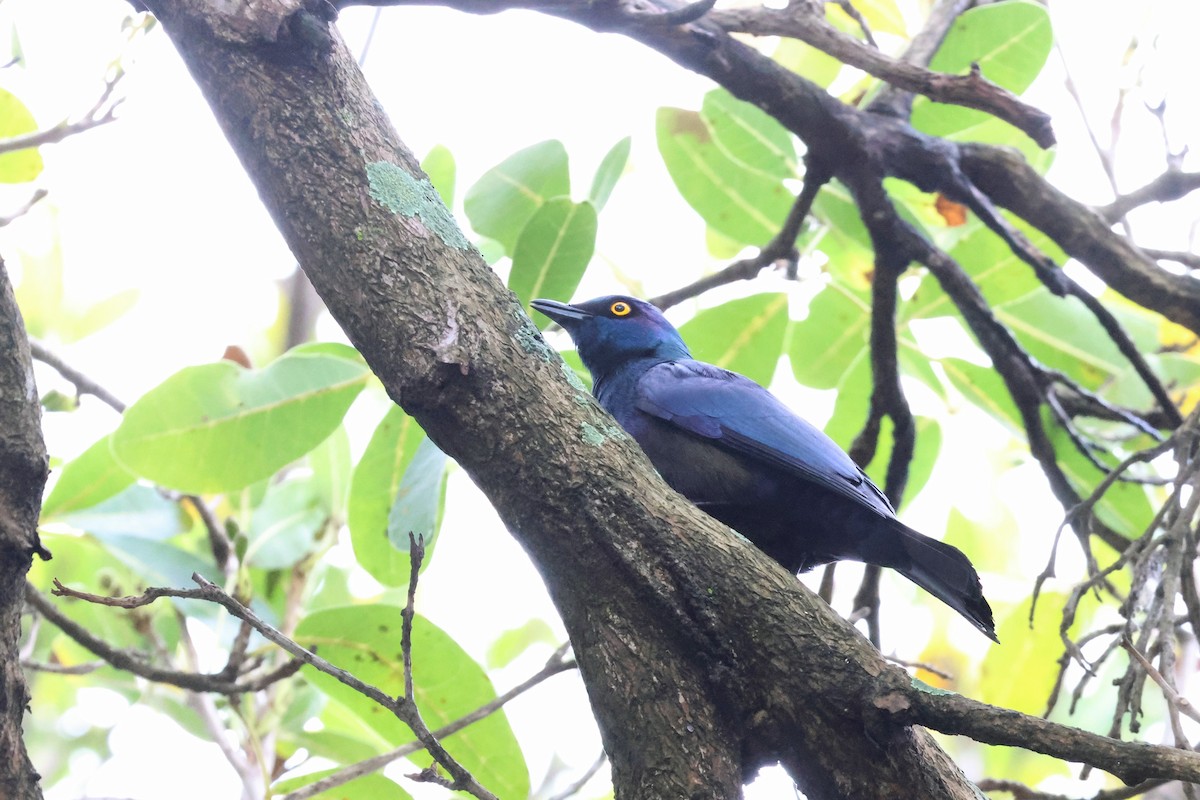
(1062,334)
(509,194)
(137,511)
(1001,276)
(220,427)
(1125,507)
(984,387)
(883,16)
(365,640)
(372,786)
(19,166)
(553,251)
(285,527)
(744,204)
(611,168)
(1009,40)
(331,466)
(1022,676)
(925,451)
(90,478)
(826,342)
(743,335)
(162,564)
(440,167)
(853,401)
(513,642)
(80,323)
(418,505)
(373,490)
(806,60)
(749,136)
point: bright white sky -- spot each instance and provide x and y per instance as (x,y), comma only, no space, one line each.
(158,202)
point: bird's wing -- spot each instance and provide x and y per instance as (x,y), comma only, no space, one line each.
(736,413)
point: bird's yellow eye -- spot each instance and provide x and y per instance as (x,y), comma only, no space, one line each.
(620,308)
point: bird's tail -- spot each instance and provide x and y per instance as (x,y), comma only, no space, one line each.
(947,574)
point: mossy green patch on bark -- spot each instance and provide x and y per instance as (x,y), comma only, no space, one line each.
(401,193)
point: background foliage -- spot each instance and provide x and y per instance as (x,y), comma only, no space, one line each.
(294,458)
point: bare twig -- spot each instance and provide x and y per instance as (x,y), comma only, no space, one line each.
(102,112)
(782,247)
(556,664)
(137,664)
(971,90)
(1171,185)
(578,784)
(82,383)
(23,209)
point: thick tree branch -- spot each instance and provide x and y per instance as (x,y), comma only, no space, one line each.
(23,470)
(1084,235)
(661,602)
(971,90)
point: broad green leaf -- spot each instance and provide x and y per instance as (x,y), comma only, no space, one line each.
(343,737)
(372,786)
(807,61)
(1125,507)
(611,168)
(509,194)
(83,562)
(40,293)
(220,427)
(515,641)
(1001,276)
(853,401)
(365,640)
(883,16)
(826,342)
(553,251)
(417,508)
(136,511)
(985,388)
(19,166)
(80,323)
(440,167)
(164,564)
(1020,675)
(373,490)
(744,335)
(926,446)
(846,241)
(746,205)
(1061,333)
(749,136)
(331,466)
(90,478)
(286,526)
(1010,42)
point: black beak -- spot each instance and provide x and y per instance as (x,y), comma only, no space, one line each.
(561,313)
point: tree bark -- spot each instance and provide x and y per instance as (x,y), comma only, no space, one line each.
(23,470)
(703,659)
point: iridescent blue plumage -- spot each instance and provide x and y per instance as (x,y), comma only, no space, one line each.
(732,448)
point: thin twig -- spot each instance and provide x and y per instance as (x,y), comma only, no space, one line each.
(135,663)
(101,113)
(578,784)
(556,664)
(782,246)
(82,383)
(38,196)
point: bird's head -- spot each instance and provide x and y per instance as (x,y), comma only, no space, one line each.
(612,331)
